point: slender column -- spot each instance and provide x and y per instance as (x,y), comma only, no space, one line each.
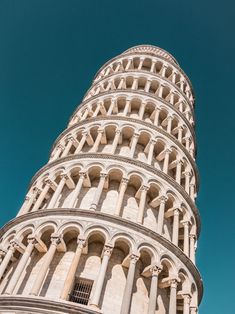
(81,143)
(180,133)
(166,161)
(97,141)
(187,143)
(192,238)
(59,149)
(171,100)
(29,200)
(2,254)
(186,237)
(127,107)
(100,280)
(152,69)
(122,190)
(187,175)
(68,146)
(155,270)
(134,142)
(110,110)
(187,300)
(42,195)
(135,83)
(21,265)
(163,70)
(147,86)
(127,296)
(128,64)
(77,190)
(178,171)
(175,233)
(156,117)
(98,191)
(118,67)
(144,190)
(85,114)
(192,191)
(58,191)
(150,152)
(140,64)
(7,258)
(55,240)
(97,109)
(121,83)
(161,212)
(173,290)
(173,77)
(141,111)
(115,141)
(69,281)
(169,124)
(159,91)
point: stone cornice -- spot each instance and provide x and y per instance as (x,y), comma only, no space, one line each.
(134,71)
(142,93)
(147,55)
(35,305)
(116,220)
(139,164)
(115,118)
(145,72)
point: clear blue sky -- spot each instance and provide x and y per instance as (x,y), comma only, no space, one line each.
(49,52)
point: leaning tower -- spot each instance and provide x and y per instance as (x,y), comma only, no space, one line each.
(109,225)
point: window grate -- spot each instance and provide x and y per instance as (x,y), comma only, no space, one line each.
(81,291)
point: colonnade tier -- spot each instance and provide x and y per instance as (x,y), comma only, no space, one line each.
(156,263)
(136,81)
(92,184)
(131,139)
(153,63)
(139,105)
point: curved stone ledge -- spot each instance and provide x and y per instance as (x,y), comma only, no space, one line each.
(117,220)
(39,305)
(160,174)
(136,121)
(176,65)
(135,92)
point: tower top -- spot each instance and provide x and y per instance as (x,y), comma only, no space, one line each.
(153,50)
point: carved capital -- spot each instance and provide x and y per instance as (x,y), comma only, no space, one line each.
(107,250)
(134,258)
(163,199)
(155,270)
(81,243)
(55,239)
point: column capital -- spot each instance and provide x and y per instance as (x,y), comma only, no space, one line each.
(49,182)
(82,174)
(55,239)
(187,173)
(168,150)
(81,242)
(107,251)
(163,199)
(118,131)
(136,135)
(152,141)
(144,188)
(155,270)
(133,258)
(31,239)
(124,181)
(60,146)
(103,175)
(173,283)
(64,176)
(186,297)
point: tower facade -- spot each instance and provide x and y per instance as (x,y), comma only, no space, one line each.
(109,224)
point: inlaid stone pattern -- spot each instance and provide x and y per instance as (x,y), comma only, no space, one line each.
(109,224)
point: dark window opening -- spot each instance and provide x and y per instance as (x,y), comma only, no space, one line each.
(81,291)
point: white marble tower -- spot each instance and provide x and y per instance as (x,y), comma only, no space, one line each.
(109,225)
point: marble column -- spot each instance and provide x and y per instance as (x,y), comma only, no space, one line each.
(77,190)
(58,151)
(7,258)
(193,310)
(192,239)
(81,143)
(187,300)
(55,240)
(192,191)
(175,232)
(186,237)
(143,194)
(68,146)
(187,176)
(38,203)
(70,278)
(155,271)
(111,107)
(21,265)
(98,191)
(161,213)
(127,296)
(152,143)
(127,107)
(58,191)
(95,147)
(115,141)
(29,200)
(178,171)
(169,124)
(173,294)
(122,190)
(101,276)
(134,142)
(180,134)
(166,160)
(156,117)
